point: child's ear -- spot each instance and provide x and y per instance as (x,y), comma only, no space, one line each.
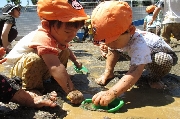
(45,24)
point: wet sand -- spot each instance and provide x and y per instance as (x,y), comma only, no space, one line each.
(141,102)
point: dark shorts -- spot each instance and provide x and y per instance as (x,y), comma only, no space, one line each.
(8,87)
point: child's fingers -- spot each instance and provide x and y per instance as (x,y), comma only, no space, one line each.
(3,60)
(2,51)
(1,48)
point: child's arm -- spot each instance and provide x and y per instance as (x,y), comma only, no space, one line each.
(4,36)
(73,58)
(144,26)
(155,13)
(145,23)
(59,73)
(104,50)
(126,82)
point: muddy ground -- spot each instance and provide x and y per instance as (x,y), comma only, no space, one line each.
(141,102)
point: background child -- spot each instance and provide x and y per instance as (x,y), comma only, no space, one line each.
(111,21)
(44,53)
(90,31)
(8,29)
(11,91)
(150,28)
(159,19)
(86,30)
(171,21)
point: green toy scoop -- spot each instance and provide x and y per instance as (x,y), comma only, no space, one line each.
(82,70)
(114,106)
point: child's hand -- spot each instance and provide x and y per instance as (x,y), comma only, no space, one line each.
(75,97)
(78,64)
(2,53)
(103,98)
(3,60)
(104,49)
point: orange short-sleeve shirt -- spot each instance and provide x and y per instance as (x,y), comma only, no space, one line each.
(45,43)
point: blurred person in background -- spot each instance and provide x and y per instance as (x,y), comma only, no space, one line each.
(171,21)
(8,30)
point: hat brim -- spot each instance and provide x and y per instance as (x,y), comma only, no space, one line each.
(9,11)
(109,40)
(74,19)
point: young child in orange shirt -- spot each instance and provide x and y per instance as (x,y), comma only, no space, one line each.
(44,52)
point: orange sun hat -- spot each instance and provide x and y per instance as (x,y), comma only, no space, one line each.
(110,19)
(150,8)
(62,10)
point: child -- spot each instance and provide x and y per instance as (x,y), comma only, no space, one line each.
(44,52)
(90,31)
(11,91)
(8,29)
(159,19)
(86,30)
(111,21)
(150,28)
(171,21)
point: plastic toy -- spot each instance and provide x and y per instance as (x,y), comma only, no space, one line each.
(114,106)
(82,70)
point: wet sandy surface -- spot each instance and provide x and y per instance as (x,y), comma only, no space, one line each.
(141,102)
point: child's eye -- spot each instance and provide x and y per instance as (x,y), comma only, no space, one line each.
(66,31)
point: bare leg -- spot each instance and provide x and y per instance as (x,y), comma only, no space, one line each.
(32,99)
(112,58)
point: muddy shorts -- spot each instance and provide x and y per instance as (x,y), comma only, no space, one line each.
(161,65)
(8,87)
(168,29)
(33,70)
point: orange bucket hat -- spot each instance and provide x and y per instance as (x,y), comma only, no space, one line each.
(62,10)
(150,8)
(110,19)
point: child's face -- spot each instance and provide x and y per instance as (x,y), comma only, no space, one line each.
(121,42)
(64,34)
(16,12)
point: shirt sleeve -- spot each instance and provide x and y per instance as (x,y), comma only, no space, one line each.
(145,19)
(139,51)
(10,20)
(44,44)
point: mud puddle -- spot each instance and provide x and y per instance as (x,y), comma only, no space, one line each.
(141,102)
